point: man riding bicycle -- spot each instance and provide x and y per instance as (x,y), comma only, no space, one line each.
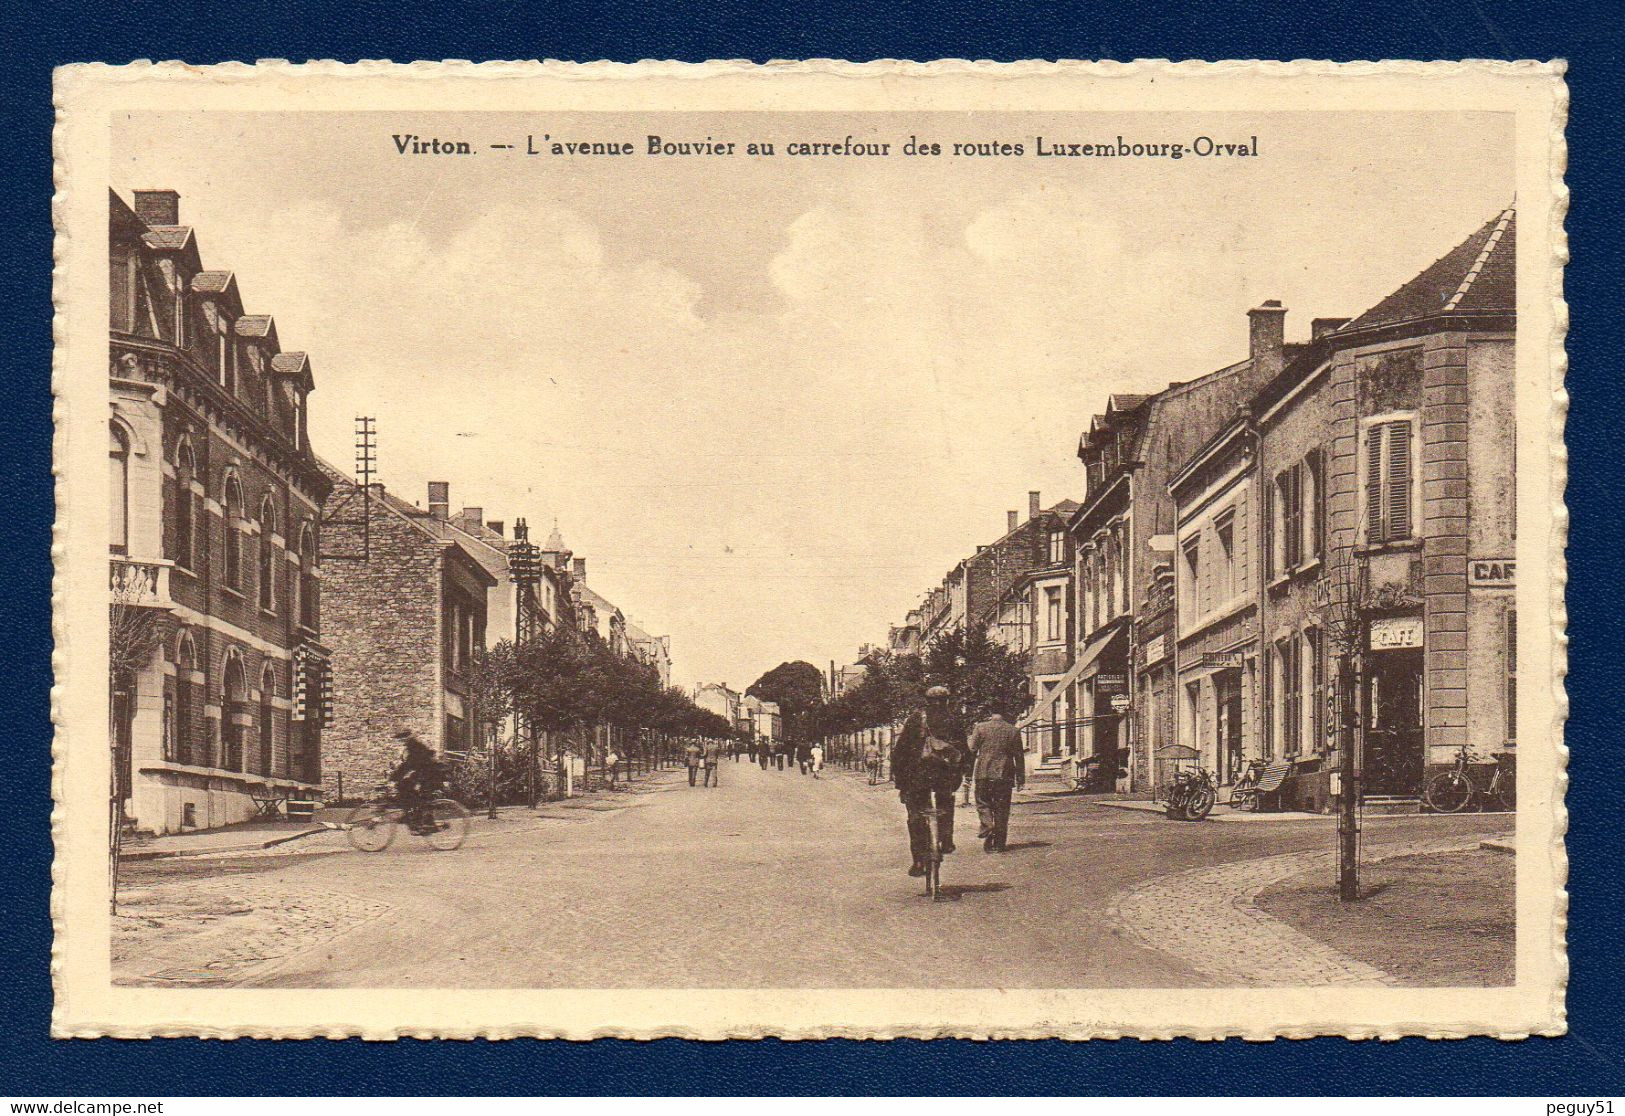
(928,764)
(417,778)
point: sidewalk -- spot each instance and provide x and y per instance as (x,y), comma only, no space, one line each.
(258,837)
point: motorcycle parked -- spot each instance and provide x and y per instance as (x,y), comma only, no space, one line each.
(1192,796)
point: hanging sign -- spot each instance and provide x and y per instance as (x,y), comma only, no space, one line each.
(1394,633)
(1120,703)
(1491,573)
(1110,683)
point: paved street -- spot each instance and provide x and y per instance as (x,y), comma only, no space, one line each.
(771,880)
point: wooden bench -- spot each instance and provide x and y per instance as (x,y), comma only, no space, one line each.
(1269,784)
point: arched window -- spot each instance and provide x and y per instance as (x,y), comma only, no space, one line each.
(183,733)
(234,713)
(118,457)
(233,511)
(185,519)
(267,564)
(308,594)
(267,718)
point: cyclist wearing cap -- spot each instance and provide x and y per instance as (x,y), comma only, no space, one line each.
(928,764)
(417,778)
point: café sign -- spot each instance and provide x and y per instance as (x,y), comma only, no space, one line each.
(1394,633)
(1491,573)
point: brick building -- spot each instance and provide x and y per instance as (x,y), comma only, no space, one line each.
(216,605)
(406,596)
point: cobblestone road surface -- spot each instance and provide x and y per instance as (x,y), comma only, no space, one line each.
(772,879)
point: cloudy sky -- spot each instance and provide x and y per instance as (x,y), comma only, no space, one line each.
(772,401)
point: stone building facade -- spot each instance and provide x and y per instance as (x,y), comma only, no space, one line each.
(215,579)
(406,601)
(1375,531)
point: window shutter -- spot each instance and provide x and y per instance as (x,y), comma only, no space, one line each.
(1267,514)
(1399,480)
(1373,484)
(1292,514)
(1317,508)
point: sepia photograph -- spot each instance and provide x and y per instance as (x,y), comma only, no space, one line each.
(739,558)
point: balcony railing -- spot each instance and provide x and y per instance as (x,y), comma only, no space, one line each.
(141,584)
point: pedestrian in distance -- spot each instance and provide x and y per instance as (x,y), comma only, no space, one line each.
(691,756)
(804,756)
(928,764)
(612,768)
(817,752)
(762,755)
(871,762)
(778,755)
(999,767)
(712,759)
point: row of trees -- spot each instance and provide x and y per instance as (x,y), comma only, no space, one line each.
(569,688)
(980,674)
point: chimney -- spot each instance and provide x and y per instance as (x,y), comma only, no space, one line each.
(1032,505)
(580,569)
(440,499)
(1266,338)
(158,207)
(495,526)
(1320,327)
(474,516)
(1009,521)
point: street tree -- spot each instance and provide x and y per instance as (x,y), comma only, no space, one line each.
(798,689)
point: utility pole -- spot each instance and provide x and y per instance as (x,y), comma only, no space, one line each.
(1352,754)
(525,570)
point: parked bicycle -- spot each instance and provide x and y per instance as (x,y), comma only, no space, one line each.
(443,822)
(1244,795)
(1191,796)
(1453,791)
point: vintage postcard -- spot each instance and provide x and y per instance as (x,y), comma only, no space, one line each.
(810,550)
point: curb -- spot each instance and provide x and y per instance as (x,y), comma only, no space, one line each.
(217,850)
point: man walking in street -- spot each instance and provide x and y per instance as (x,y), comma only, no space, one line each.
(691,756)
(713,762)
(612,768)
(817,760)
(1000,767)
(927,766)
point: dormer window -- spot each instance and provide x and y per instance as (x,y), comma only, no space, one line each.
(227,358)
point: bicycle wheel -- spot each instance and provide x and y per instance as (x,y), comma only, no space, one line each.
(451,824)
(1506,791)
(370,827)
(1448,792)
(1200,804)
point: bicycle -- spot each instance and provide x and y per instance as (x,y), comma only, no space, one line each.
(371,826)
(1244,795)
(1450,792)
(933,857)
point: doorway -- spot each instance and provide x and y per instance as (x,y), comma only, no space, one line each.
(1227,693)
(1393,759)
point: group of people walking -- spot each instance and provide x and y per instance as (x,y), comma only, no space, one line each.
(778,755)
(704,760)
(931,759)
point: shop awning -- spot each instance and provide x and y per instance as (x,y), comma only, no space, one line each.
(1088,665)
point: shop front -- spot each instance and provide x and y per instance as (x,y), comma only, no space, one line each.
(1395,706)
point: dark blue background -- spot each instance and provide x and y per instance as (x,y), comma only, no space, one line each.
(1588,1061)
